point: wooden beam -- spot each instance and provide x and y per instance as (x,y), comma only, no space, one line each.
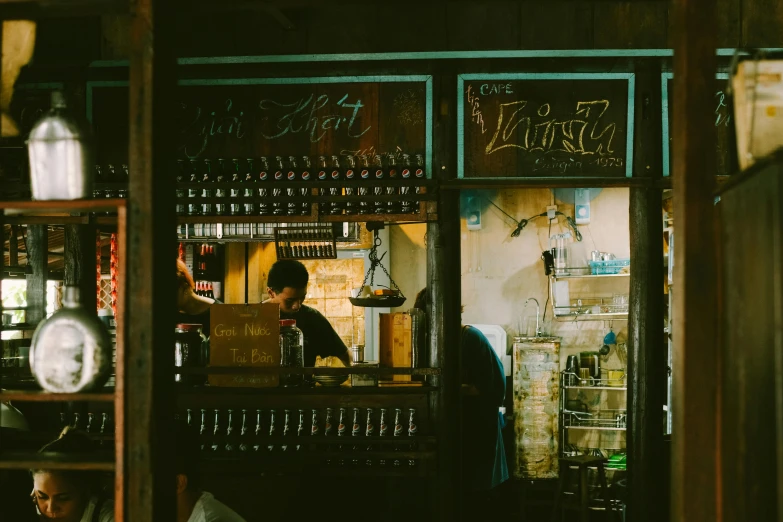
(13,246)
(150,257)
(80,258)
(647,471)
(37,259)
(751,385)
(444,276)
(694,442)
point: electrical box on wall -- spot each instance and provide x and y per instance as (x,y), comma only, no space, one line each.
(582,206)
(473,214)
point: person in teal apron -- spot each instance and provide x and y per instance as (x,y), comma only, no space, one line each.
(484,465)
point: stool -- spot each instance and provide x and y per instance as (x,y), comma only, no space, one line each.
(582,462)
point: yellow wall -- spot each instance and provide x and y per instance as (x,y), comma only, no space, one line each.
(499,272)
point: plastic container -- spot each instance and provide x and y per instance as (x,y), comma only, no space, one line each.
(291,352)
(611,266)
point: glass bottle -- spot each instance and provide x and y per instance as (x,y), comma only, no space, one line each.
(292,207)
(366,177)
(336,207)
(272,429)
(369,431)
(383,431)
(406,206)
(398,430)
(250,187)
(350,175)
(278,208)
(355,432)
(305,175)
(221,176)
(421,175)
(341,432)
(231,442)
(194,209)
(203,434)
(244,445)
(412,431)
(71,351)
(264,177)
(182,177)
(207,178)
(286,429)
(236,191)
(258,435)
(291,352)
(378,207)
(392,207)
(216,445)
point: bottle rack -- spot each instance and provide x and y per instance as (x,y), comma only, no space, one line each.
(302,241)
(250,445)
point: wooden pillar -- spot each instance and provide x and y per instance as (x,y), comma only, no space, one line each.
(443,266)
(149,492)
(13,247)
(647,376)
(38,260)
(694,447)
(79,257)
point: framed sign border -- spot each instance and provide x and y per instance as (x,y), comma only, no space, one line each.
(665,150)
(462,78)
(417,78)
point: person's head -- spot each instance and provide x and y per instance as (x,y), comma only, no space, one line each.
(423,301)
(64,494)
(287,284)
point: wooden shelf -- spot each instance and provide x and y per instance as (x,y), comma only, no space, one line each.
(244,370)
(312,218)
(42,396)
(88,461)
(228,392)
(618,388)
(619,316)
(69,206)
(590,276)
(544,182)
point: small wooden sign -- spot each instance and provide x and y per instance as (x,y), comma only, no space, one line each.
(395,344)
(244,335)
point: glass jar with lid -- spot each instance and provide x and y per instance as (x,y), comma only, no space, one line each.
(189,351)
(291,352)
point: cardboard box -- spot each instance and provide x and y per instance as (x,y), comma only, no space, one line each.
(758,109)
(395,344)
(244,335)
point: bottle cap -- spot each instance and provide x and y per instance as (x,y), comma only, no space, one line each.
(287,322)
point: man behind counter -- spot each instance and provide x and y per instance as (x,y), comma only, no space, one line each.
(287,287)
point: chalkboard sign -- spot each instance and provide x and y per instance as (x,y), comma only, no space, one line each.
(269,117)
(721,120)
(244,335)
(533,125)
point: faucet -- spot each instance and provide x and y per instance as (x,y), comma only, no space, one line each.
(538,312)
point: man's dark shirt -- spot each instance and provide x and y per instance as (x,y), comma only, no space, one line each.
(319,336)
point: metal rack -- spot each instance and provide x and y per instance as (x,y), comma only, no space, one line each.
(606,419)
(587,308)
